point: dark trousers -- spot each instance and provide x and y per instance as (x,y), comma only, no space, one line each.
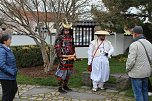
(63,83)
(9,89)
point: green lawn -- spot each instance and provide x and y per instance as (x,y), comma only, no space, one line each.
(117,65)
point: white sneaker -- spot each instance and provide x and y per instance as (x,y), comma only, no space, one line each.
(94,89)
(102,88)
(149,93)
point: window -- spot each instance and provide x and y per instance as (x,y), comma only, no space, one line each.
(83,35)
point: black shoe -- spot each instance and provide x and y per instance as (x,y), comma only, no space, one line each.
(67,88)
(61,90)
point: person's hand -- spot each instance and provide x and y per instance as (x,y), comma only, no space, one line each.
(108,55)
(68,57)
(127,70)
(89,68)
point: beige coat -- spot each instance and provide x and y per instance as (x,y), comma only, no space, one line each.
(137,64)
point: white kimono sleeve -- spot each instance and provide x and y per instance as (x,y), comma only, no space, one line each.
(90,54)
(111,51)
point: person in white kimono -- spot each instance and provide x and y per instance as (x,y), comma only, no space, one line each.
(99,51)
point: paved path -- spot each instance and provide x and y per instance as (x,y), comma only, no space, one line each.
(47,93)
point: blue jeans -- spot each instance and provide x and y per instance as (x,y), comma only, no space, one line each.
(140,88)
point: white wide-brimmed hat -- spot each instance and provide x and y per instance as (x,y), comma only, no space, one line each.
(101,32)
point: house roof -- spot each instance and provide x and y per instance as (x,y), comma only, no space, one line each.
(33,15)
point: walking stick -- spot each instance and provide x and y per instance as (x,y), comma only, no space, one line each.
(18,93)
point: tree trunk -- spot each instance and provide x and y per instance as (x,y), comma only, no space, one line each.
(51,56)
(48,64)
(45,59)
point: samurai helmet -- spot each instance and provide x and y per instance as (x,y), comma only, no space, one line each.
(66,24)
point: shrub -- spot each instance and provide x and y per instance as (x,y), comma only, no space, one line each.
(27,56)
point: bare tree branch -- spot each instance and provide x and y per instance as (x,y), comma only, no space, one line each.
(27,16)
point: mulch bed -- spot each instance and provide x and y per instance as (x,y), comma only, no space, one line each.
(37,72)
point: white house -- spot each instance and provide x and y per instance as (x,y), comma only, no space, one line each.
(120,42)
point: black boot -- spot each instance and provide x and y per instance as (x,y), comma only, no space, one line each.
(67,88)
(61,90)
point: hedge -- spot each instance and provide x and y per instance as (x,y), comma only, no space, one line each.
(27,56)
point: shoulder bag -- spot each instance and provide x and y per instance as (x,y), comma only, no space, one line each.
(146,52)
